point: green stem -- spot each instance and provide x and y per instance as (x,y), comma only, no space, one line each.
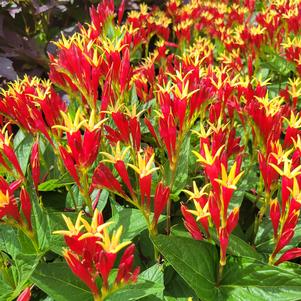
(261,214)
(85,192)
(69,189)
(219,274)
(168,206)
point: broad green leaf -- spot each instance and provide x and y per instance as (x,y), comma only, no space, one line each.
(21,265)
(103,198)
(57,280)
(181,173)
(195,261)
(277,64)
(150,283)
(239,247)
(5,290)
(12,245)
(244,279)
(154,274)
(25,266)
(40,222)
(22,145)
(175,287)
(133,222)
(53,184)
(182,167)
(135,291)
(180,231)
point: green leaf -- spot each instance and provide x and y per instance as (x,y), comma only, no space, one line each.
(195,261)
(25,265)
(103,198)
(136,291)
(53,184)
(21,263)
(180,231)
(154,274)
(244,279)
(239,247)
(12,245)
(5,290)
(57,280)
(277,63)
(133,222)
(22,145)
(176,289)
(40,222)
(150,283)
(181,173)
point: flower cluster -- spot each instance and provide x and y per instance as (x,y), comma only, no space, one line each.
(92,253)
(189,111)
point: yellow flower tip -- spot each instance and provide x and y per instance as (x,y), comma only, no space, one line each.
(144,167)
(230,180)
(4,199)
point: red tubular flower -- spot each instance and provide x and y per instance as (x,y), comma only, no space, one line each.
(125,71)
(151,129)
(104,264)
(8,205)
(289,255)
(84,149)
(77,68)
(268,173)
(80,270)
(128,130)
(100,15)
(168,133)
(232,220)
(93,251)
(69,163)
(291,221)
(26,206)
(224,241)
(35,164)
(125,273)
(33,105)
(284,239)
(25,295)
(103,178)
(214,211)
(122,171)
(160,200)
(121,11)
(190,224)
(134,126)
(275,215)
(145,183)
(7,155)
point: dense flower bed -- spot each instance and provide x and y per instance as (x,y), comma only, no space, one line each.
(175,130)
